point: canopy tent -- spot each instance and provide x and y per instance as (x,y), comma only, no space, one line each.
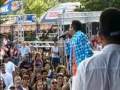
(64,18)
(52,16)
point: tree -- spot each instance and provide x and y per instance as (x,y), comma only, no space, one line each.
(95,5)
(2,2)
(38,7)
(3,18)
(62,1)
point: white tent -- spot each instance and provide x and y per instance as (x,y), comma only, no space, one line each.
(57,17)
(83,17)
(52,16)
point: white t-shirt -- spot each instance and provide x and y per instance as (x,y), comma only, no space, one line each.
(2,53)
(8,79)
(5,41)
(56,50)
(9,67)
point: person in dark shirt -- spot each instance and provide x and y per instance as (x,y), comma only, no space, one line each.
(26,64)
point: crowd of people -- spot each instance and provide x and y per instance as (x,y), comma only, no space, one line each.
(23,69)
(20,59)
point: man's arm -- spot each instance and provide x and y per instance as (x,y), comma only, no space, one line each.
(79,78)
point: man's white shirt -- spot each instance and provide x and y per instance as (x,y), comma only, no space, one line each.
(9,67)
(99,72)
(8,79)
(56,50)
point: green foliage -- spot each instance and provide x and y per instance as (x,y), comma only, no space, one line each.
(1,2)
(38,7)
(29,36)
(94,5)
(62,1)
(3,19)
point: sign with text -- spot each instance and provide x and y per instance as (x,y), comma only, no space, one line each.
(53,14)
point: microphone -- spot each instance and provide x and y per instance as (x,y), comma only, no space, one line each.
(64,34)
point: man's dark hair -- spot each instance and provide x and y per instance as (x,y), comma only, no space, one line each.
(43,70)
(76,25)
(110,25)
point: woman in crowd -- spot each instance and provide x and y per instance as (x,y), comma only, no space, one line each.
(35,78)
(60,80)
(48,67)
(26,82)
(38,62)
(14,54)
(61,69)
(39,85)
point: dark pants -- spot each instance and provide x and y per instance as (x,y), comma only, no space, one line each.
(55,61)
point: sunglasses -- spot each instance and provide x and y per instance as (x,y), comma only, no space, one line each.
(12,87)
(54,82)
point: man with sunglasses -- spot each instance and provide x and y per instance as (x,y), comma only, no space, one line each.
(102,70)
(54,84)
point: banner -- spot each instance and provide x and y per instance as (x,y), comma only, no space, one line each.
(26,18)
(53,14)
(10,7)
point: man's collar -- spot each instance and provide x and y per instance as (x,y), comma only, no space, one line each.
(111,46)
